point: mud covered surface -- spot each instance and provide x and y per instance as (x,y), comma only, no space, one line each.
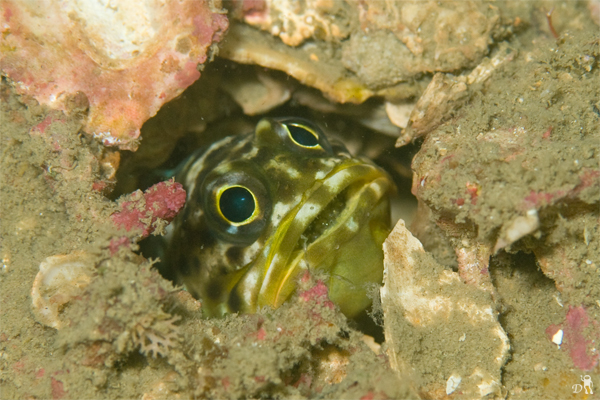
(511,183)
(509,193)
(124,331)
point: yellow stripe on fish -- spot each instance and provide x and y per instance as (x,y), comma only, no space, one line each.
(266,206)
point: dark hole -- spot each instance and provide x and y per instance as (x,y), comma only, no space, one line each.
(237,204)
(213,291)
(303,136)
(234,302)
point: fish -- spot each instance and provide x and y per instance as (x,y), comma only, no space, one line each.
(266,207)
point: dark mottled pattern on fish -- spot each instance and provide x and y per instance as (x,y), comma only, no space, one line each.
(266,206)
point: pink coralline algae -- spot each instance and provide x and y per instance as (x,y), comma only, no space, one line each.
(144,210)
(319,294)
(580,348)
(122,62)
(577,340)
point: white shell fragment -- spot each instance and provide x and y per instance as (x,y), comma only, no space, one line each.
(399,114)
(518,228)
(452,383)
(558,337)
(61,278)
(426,307)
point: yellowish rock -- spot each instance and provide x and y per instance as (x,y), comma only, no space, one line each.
(439,325)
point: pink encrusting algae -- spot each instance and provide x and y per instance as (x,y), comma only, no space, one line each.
(125,64)
(142,210)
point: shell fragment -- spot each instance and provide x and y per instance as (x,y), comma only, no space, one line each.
(61,278)
(452,383)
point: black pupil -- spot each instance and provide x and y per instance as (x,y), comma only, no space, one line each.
(303,136)
(237,204)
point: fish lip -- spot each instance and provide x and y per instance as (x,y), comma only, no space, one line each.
(281,267)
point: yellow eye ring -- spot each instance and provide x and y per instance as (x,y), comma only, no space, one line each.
(237,205)
(298,134)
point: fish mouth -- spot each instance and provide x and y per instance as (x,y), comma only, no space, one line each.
(331,213)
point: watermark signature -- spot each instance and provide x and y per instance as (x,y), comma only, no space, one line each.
(587,385)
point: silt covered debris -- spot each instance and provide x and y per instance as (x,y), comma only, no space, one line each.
(501,299)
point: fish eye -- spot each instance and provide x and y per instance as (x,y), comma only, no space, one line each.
(302,135)
(237,205)
(236,202)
